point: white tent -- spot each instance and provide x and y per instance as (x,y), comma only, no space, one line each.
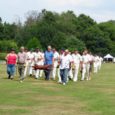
(108,56)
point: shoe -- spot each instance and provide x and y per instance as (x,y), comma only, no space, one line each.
(9,76)
(74,80)
(21,81)
(30,75)
(87,79)
(64,83)
(60,82)
(70,78)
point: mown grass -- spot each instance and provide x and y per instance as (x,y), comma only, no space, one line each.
(39,97)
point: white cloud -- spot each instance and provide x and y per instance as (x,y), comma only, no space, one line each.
(98,9)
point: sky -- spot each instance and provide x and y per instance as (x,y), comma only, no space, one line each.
(99,10)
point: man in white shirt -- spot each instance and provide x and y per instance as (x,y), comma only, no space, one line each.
(31,57)
(42,63)
(85,65)
(38,58)
(91,61)
(100,62)
(70,75)
(76,63)
(60,55)
(65,65)
(26,63)
(56,58)
(96,63)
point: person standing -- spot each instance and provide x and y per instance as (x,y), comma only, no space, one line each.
(11,59)
(49,60)
(38,58)
(61,53)
(76,61)
(65,65)
(70,74)
(91,62)
(100,62)
(56,58)
(85,65)
(21,63)
(31,58)
(42,62)
(26,63)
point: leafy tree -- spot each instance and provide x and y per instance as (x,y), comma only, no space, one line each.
(96,40)
(34,43)
(1,29)
(74,43)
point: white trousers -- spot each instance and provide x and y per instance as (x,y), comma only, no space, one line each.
(71,73)
(31,68)
(54,70)
(99,65)
(76,70)
(26,68)
(95,67)
(85,72)
(38,72)
(59,77)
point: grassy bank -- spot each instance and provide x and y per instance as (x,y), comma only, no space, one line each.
(39,97)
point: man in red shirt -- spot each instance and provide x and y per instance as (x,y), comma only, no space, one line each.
(11,62)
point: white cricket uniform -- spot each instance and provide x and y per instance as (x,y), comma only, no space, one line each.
(42,63)
(56,58)
(70,74)
(31,56)
(38,58)
(85,67)
(26,64)
(76,61)
(59,77)
(100,62)
(96,64)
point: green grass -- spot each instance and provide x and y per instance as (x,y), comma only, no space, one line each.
(39,97)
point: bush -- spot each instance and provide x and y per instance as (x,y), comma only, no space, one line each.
(34,43)
(6,45)
(2,56)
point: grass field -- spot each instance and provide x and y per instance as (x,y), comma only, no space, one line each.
(39,97)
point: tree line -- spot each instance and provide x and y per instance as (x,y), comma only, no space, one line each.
(65,30)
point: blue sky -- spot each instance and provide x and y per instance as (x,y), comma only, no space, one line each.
(99,10)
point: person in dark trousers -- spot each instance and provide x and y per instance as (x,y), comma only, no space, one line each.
(49,59)
(21,63)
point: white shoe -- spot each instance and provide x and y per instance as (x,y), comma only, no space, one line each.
(74,80)
(64,83)
(60,82)
(21,81)
(87,79)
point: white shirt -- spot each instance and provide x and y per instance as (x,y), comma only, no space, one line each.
(56,56)
(91,58)
(30,57)
(38,57)
(65,61)
(96,59)
(76,58)
(85,58)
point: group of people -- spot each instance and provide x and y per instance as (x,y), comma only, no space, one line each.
(64,65)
